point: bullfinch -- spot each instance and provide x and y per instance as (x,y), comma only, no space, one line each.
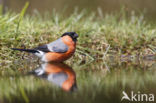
(57,73)
(56,51)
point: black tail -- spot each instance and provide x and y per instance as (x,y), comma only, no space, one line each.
(26,50)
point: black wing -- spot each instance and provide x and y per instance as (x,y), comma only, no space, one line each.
(43,48)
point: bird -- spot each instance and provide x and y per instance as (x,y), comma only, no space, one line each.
(57,73)
(57,51)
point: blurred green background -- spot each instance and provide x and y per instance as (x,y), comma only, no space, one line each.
(107,6)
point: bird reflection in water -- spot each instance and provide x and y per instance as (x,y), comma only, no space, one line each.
(59,74)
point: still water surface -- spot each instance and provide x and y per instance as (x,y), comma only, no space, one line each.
(100,82)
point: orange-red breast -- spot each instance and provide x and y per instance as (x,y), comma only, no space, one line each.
(59,74)
(56,51)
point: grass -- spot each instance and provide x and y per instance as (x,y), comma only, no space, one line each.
(100,36)
(123,33)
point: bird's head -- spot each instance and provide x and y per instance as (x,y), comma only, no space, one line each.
(73,35)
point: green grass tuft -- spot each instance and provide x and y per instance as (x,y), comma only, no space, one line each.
(124,34)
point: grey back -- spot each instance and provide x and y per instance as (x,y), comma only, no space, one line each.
(57,46)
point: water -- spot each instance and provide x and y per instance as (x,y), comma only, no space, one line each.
(68,6)
(59,74)
(100,82)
